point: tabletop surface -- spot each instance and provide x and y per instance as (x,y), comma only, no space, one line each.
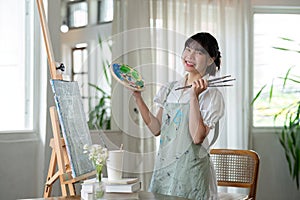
(119,196)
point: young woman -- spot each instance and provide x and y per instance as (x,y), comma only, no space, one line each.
(184,120)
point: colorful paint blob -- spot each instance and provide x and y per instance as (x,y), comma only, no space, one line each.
(128,76)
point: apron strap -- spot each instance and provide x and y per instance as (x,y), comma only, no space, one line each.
(169,89)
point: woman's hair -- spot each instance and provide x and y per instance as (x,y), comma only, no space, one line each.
(210,44)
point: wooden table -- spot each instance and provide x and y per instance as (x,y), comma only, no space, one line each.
(119,196)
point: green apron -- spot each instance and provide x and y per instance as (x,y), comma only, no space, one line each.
(182,168)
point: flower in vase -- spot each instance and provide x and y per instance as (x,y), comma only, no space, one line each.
(98,155)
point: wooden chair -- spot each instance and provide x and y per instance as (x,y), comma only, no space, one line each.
(236,168)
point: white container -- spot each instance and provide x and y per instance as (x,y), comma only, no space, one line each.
(115,164)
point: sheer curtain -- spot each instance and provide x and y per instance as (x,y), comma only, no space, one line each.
(150,36)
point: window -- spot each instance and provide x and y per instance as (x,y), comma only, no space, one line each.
(82,13)
(272,34)
(89,58)
(105,11)
(80,72)
(77,14)
(16,66)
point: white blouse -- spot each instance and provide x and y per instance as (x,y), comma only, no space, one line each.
(211,101)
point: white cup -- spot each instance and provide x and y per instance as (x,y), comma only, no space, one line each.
(115,164)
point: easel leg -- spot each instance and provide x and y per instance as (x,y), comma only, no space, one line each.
(72,189)
(63,187)
(51,171)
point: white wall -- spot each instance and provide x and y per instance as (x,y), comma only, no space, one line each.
(18,157)
(274,179)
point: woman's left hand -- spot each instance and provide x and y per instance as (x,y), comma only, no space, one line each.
(198,86)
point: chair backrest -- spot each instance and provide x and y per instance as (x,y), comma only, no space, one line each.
(236,168)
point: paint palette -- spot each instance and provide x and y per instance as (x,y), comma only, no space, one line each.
(127,76)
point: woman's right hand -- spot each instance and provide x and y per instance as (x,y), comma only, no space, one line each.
(137,94)
(198,86)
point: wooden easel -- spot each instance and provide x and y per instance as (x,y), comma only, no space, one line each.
(59,166)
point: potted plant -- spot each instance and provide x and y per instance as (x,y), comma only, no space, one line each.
(290,132)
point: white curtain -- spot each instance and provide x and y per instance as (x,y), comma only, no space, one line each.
(150,35)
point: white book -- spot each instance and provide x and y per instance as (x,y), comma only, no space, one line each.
(125,185)
(123,188)
(121,181)
(86,196)
(87,185)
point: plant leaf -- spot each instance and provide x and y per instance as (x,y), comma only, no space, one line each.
(284,49)
(282,140)
(100,42)
(293,80)
(104,64)
(297,167)
(286,76)
(288,39)
(281,48)
(271,91)
(258,94)
(97,88)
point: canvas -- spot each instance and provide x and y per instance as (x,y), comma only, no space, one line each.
(73,124)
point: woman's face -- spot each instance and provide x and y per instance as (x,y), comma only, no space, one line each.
(195,58)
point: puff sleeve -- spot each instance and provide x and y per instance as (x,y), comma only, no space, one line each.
(212,107)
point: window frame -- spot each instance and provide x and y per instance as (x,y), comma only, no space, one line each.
(85,96)
(32,48)
(264,10)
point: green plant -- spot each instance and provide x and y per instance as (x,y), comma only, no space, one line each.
(290,141)
(290,133)
(99,116)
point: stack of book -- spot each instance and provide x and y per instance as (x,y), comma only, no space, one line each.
(125,185)
(86,192)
